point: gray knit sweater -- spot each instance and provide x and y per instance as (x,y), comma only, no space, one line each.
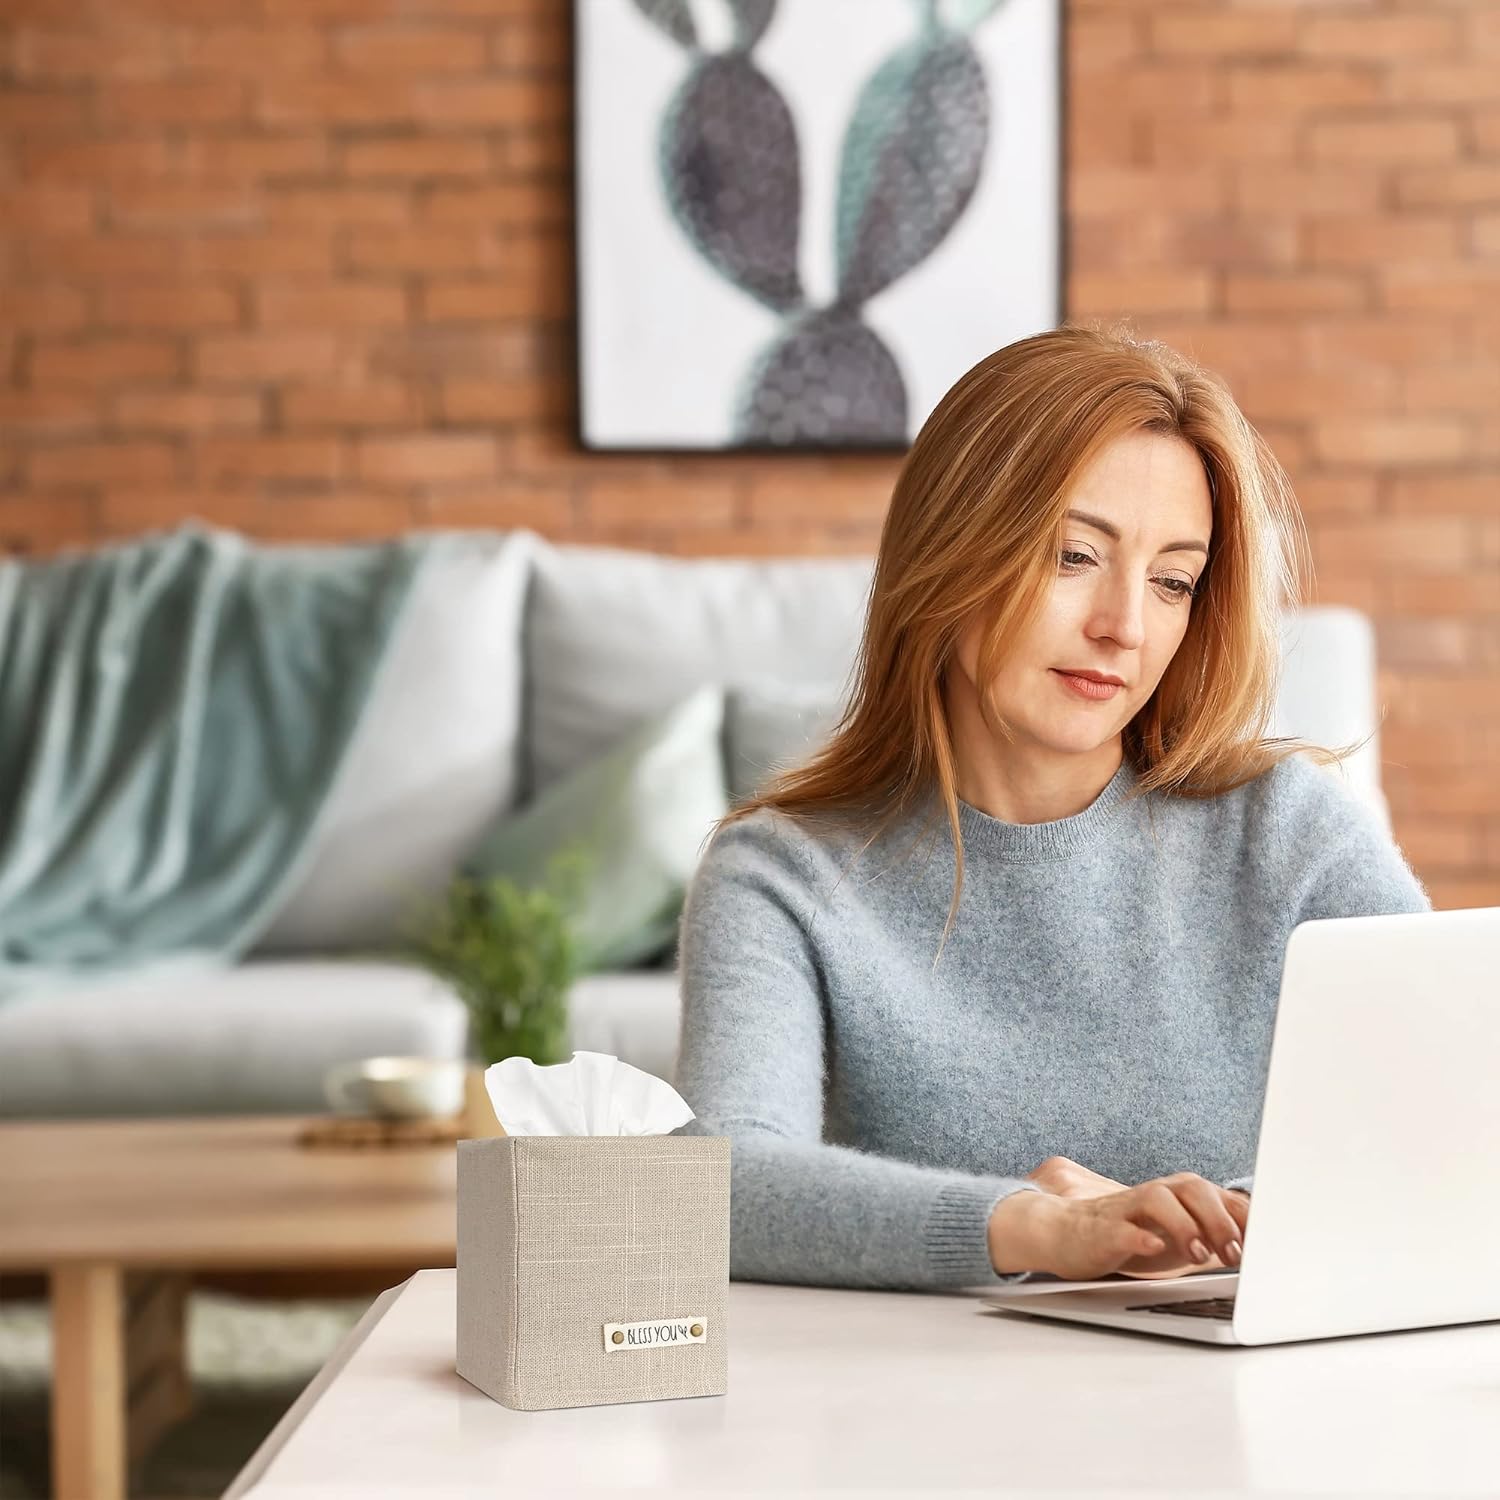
(1106,993)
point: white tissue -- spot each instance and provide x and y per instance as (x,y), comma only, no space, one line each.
(594,1094)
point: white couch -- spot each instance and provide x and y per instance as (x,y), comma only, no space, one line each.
(518,660)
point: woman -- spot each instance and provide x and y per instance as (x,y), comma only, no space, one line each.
(986,987)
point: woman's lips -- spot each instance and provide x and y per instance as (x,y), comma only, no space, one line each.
(1086,687)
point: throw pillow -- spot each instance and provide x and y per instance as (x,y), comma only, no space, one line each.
(643,812)
(769,726)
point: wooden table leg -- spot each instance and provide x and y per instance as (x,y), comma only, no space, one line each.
(119,1374)
(88,1383)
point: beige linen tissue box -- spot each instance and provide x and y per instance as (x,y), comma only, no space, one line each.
(592,1268)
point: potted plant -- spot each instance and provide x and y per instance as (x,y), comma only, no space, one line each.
(510,953)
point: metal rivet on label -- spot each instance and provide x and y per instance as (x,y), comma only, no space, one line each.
(697,1329)
(617,1338)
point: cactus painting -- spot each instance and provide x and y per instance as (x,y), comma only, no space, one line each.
(807,313)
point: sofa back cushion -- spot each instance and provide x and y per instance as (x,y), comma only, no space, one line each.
(614,637)
(434,761)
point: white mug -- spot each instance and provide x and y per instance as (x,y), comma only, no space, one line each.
(397,1088)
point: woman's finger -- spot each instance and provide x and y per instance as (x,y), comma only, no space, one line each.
(1205,1201)
(1158,1203)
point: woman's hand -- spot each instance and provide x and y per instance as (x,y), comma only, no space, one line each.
(1148,1231)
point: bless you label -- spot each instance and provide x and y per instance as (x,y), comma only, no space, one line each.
(659,1333)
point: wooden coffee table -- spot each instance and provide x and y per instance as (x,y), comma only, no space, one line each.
(119,1215)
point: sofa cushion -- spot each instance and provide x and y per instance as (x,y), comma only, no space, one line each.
(433,763)
(771,725)
(252,1038)
(640,816)
(614,637)
(1328,692)
(257,1038)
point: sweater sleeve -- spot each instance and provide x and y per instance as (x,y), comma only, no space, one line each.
(751,1065)
(1351,866)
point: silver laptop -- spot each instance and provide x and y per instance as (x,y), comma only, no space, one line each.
(1376,1200)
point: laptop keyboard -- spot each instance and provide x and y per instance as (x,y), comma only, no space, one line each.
(1202,1307)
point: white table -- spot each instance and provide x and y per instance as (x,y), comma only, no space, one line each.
(910,1394)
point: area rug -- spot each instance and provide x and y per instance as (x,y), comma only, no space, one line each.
(249,1361)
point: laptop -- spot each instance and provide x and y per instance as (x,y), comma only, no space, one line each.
(1376,1203)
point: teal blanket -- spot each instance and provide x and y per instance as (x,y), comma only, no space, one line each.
(172,713)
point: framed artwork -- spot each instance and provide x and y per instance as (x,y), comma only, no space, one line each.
(799,221)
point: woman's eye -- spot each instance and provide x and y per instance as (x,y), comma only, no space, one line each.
(1074,561)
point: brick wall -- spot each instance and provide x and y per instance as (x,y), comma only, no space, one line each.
(304,267)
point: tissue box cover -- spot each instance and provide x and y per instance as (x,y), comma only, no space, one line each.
(593,1269)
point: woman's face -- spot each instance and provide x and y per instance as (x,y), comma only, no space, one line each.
(1119,604)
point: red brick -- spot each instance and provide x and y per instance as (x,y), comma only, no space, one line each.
(1379,239)
(713,504)
(535,44)
(529,204)
(426,458)
(481,103)
(1454,285)
(246,159)
(1473,387)
(1293,291)
(1205,33)
(385,403)
(45,208)
(1379,38)
(31,111)
(42,307)
(88,465)
(316,304)
(39,525)
(1397,441)
(411,49)
(1486,234)
(102,362)
(1337,494)
(236,460)
(1301,88)
(86,56)
(307,252)
(238,359)
(1442,843)
(1377,339)
(1139,292)
(1098,40)
(47,413)
(416,156)
(1454,894)
(322,100)
(1124,190)
(185,411)
(96,255)
(522,151)
(194,101)
(505,505)
(1446,494)
(146,305)
(335,516)
(185,207)
(337,208)
(1428,543)
(257,51)
(1450,185)
(1282,188)
(1385,140)
(1473,593)
(126,510)
(1226,142)
(457,248)
(505,400)
(96,161)
(1286,395)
